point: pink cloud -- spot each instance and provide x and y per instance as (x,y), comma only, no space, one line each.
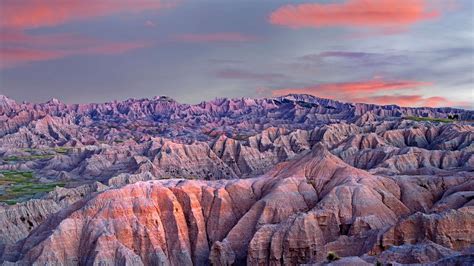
(412,100)
(215,37)
(376,91)
(438,101)
(19,48)
(349,90)
(392,14)
(402,100)
(51,50)
(109,48)
(12,56)
(19,38)
(27,14)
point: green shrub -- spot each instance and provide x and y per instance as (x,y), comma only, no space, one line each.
(62,150)
(22,185)
(28,157)
(430,119)
(332,256)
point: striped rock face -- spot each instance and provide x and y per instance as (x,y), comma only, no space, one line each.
(282,181)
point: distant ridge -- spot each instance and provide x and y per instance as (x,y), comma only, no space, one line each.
(293,97)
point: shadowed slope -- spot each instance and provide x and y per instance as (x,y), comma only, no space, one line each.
(295,214)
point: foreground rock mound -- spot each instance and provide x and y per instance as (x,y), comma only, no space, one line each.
(296,213)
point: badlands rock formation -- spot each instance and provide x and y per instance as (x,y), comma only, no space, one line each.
(280,181)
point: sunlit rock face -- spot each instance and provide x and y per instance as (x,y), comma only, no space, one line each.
(280,181)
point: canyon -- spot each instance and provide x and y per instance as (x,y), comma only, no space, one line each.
(288,180)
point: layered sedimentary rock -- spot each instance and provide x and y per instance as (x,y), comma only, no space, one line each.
(280,181)
(17,221)
(296,213)
(232,137)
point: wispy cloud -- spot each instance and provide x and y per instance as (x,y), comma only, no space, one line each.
(355,58)
(19,47)
(389,14)
(26,14)
(352,88)
(214,37)
(340,54)
(376,91)
(413,100)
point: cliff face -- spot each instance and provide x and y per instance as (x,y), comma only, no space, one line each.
(281,181)
(17,221)
(296,213)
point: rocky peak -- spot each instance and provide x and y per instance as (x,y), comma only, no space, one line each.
(6,102)
(163,98)
(54,101)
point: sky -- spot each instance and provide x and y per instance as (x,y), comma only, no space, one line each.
(405,52)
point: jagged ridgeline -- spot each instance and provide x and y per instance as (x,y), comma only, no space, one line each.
(273,181)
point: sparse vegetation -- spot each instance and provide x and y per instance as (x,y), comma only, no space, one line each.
(17,186)
(62,150)
(28,157)
(332,256)
(38,154)
(429,119)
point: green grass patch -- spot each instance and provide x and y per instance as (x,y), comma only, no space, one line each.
(62,150)
(38,154)
(17,186)
(16,176)
(429,119)
(28,157)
